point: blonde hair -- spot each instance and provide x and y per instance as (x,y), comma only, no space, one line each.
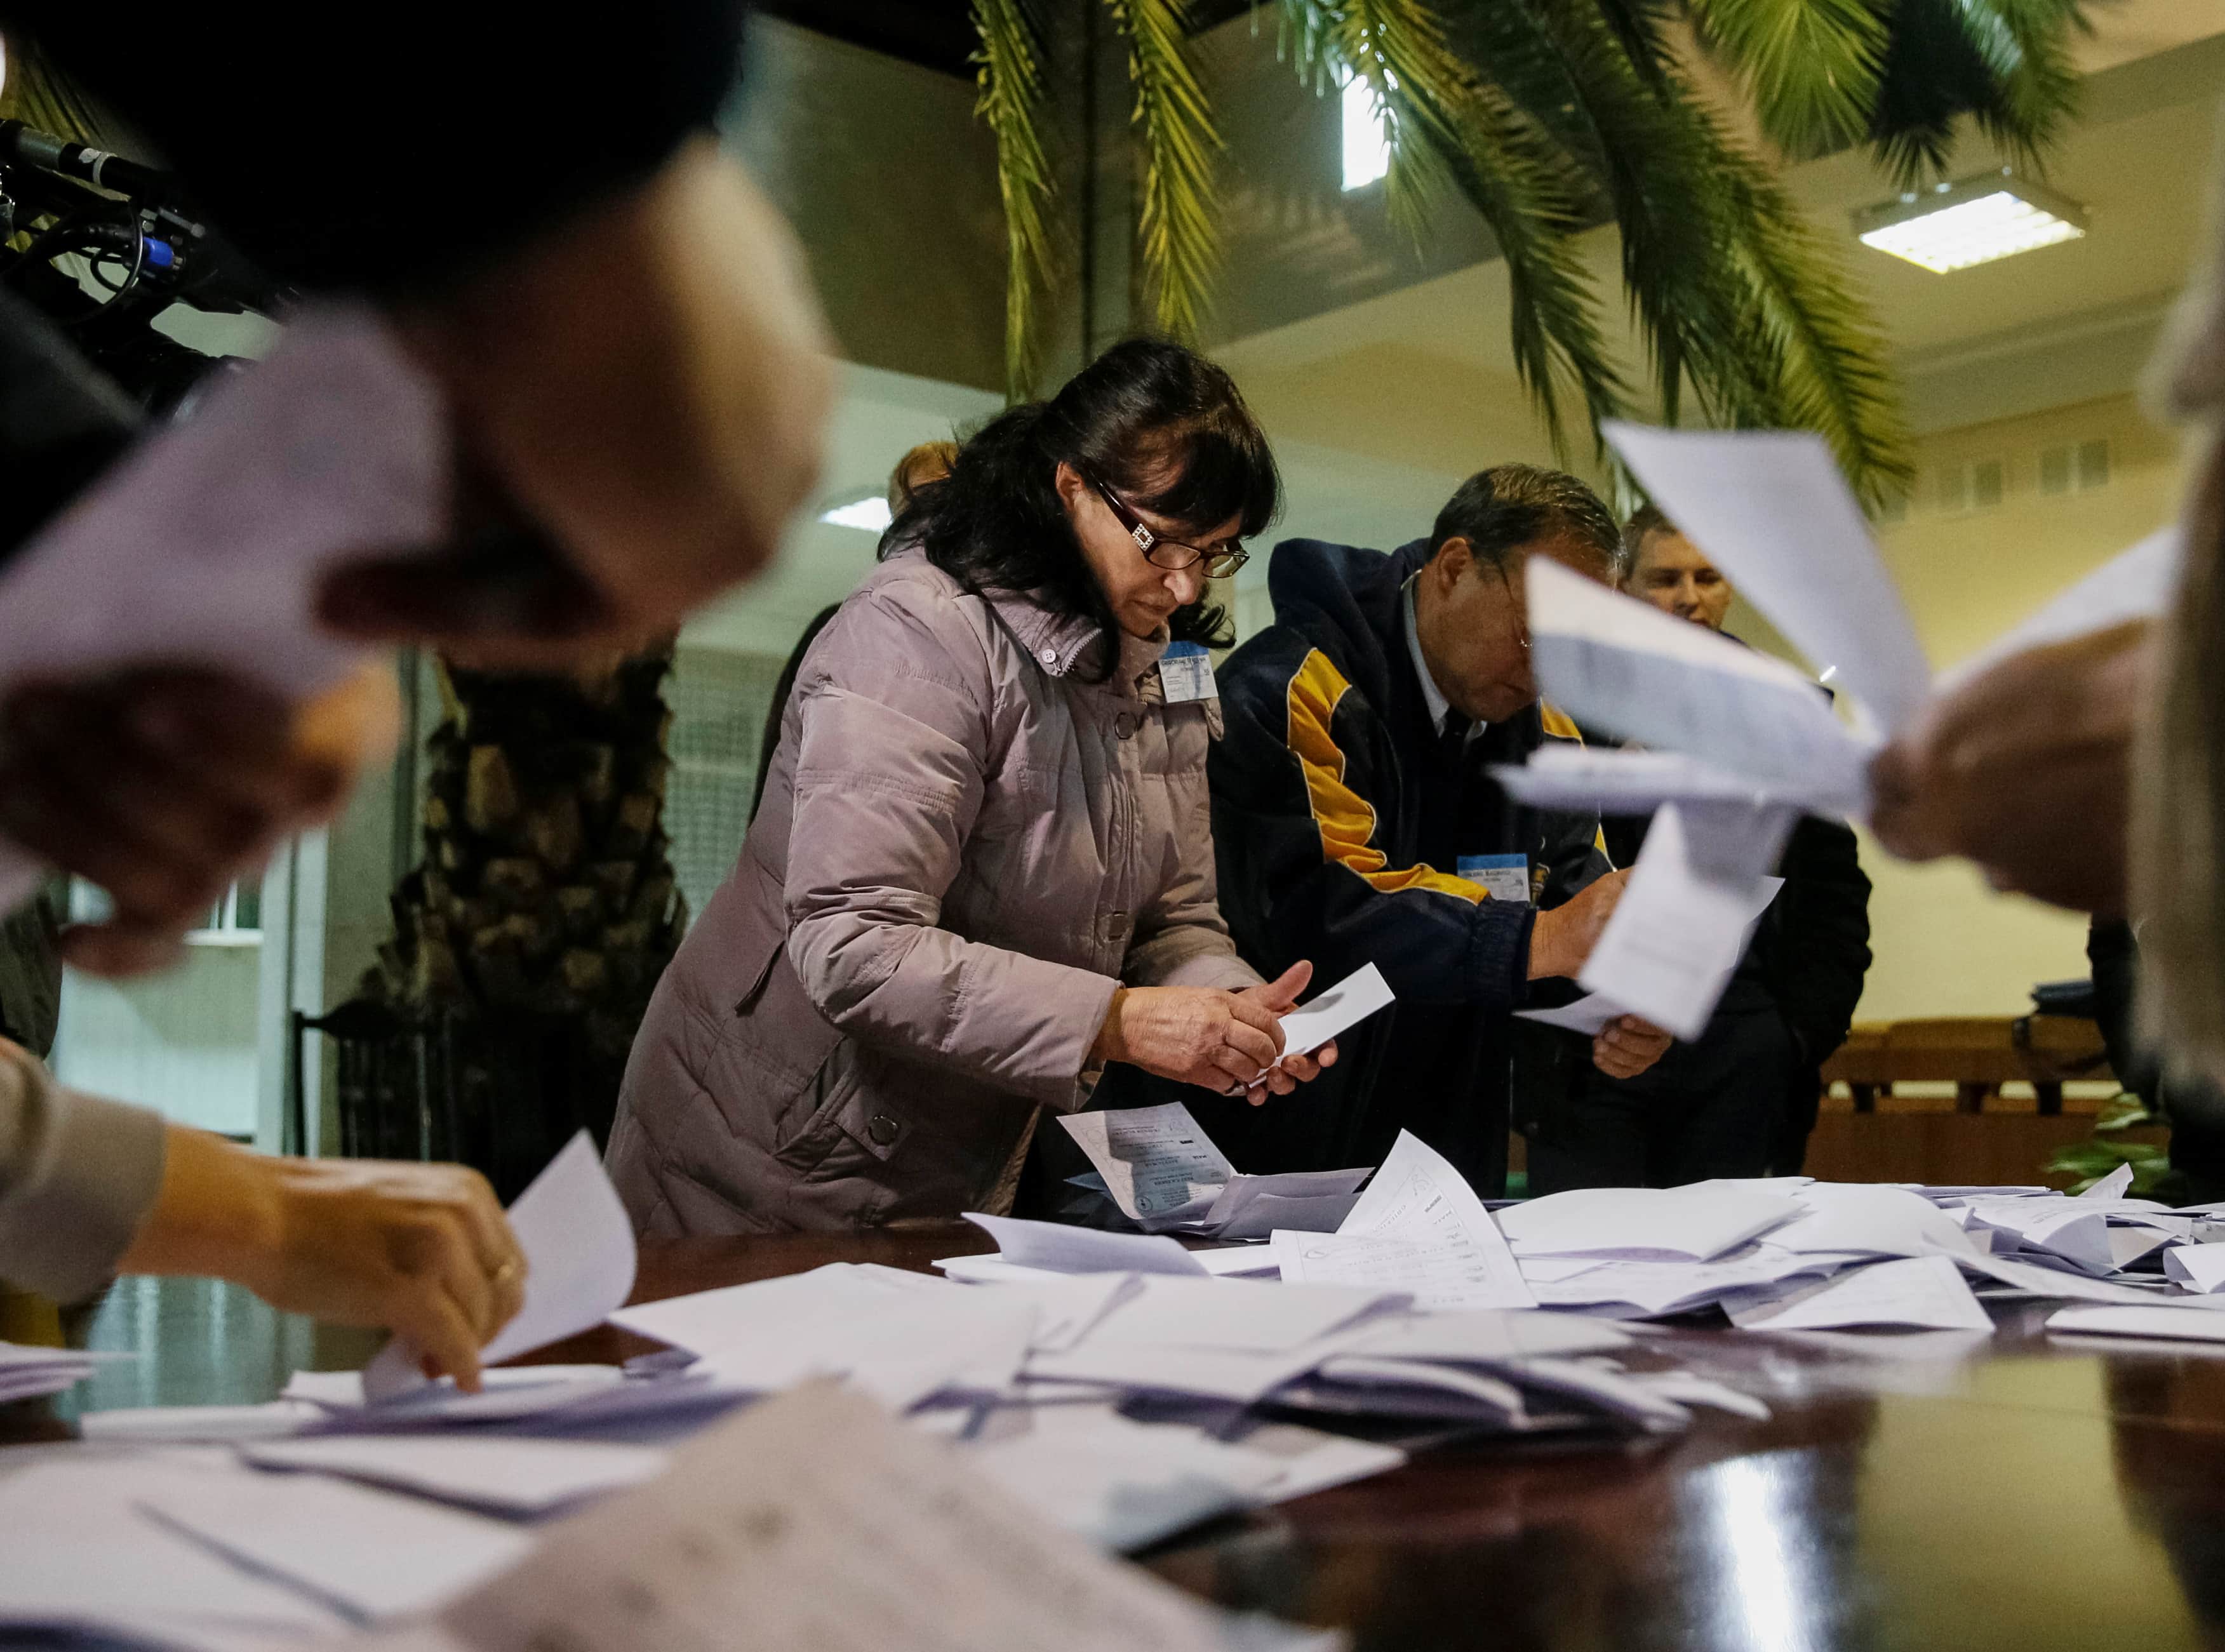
(929,462)
(2177,826)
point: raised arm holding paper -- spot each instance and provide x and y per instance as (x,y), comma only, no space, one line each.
(1739,1097)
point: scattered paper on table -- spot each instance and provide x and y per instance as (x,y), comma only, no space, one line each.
(1921,1293)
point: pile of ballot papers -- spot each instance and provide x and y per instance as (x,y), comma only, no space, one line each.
(1100,1389)
(33,1373)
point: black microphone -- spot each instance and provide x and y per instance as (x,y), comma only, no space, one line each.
(28,145)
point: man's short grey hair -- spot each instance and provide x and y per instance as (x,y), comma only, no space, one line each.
(1502,509)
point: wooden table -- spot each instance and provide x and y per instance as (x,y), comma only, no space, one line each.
(2037,1497)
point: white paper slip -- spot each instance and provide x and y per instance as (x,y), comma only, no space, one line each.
(1163,1172)
(817,1523)
(371,1555)
(1690,1223)
(1208,1314)
(1613,662)
(1613,781)
(2115,1185)
(1238,1376)
(580,1266)
(2197,1267)
(521,1478)
(1772,511)
(1061,1248)
(2173,1324)
(336,445)
(1335,1009)
(176,1425)
(2036,1281)
(1589,1015)
(1922,1293)
(1431,1234)
(1676,937)
(81,1557)
(1123,1484)
(1252,1207)
(1866,1220)
(1156,1161)
(1482,1337)
(511,1393)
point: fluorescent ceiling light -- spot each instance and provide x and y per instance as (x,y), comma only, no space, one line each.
(870,513)
(1953,226)
(1367,140)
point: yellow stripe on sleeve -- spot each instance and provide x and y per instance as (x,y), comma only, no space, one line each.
(1345,820)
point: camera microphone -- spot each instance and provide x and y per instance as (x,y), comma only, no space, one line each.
(28,145)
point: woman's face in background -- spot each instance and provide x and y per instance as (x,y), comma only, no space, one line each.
(1142,595)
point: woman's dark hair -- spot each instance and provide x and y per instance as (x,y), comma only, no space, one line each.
(1157,423)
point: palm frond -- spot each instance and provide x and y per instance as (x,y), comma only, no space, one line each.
(1009,74)
(1449,125)
(1811,68)
(1732,292)
(1177,226)
(2005,63)
(41,96)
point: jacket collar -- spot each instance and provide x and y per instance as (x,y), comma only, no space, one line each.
(1063,645)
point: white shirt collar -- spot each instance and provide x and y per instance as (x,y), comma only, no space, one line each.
(1434,696)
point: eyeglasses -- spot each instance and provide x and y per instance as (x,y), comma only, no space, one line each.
(1171,554)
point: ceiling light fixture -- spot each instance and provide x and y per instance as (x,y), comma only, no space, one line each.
(870,513)
(1974,221)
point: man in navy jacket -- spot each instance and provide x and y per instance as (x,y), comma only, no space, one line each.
(1356,822)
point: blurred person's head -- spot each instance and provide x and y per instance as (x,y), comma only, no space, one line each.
(929,462)
(1113,500)
(1469,597)
(1663,567)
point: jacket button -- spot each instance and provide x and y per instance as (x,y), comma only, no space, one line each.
(1117,926)
(1124,725)
(881,1129)
(1048,657)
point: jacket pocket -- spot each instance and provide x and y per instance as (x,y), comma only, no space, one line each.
(850,1124)
(771,1047)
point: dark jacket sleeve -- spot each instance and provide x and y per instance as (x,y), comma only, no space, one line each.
(1820,949)
(1301,779)
(438,137)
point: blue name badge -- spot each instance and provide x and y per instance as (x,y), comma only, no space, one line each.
(1507,876)
(1186,673)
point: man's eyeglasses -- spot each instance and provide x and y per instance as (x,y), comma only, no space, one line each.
(1171,554)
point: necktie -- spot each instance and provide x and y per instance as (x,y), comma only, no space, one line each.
(1452,742)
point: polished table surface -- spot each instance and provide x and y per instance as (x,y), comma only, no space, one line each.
(2039,1495)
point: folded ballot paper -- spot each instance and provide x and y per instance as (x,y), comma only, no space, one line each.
(335,445)
(31,1373)
(1726,722)
(580,1266)
(1166,1174)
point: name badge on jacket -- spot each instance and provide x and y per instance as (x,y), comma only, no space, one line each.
(1507,877)
(1186,673)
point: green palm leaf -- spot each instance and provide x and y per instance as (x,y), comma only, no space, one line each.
(1009,78)
(1812,68)
(41,96)
(2005,63)
(1177,226)
(1448,124)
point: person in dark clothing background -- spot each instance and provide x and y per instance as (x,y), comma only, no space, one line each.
(1740,1099)
(2194,1106)
(1355,821)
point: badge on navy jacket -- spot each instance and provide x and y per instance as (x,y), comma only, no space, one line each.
(1507,876)
(1186,673)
